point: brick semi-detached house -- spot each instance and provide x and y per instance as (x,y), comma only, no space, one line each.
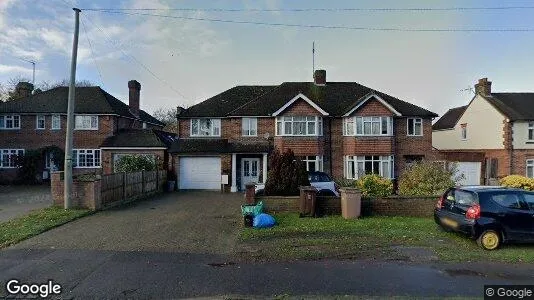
(492,136)
(105,129)
(342,128)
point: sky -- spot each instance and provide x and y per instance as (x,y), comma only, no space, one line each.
(181,62)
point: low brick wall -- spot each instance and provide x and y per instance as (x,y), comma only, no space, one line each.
(85,194)
(387,206)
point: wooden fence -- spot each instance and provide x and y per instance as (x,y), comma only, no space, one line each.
(126,187)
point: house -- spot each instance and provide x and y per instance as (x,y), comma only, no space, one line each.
(492,136)
(105,128)
(342,128)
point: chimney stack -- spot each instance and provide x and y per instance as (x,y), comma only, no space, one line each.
(483,87)
(319,77)
(23,89)
(134,96)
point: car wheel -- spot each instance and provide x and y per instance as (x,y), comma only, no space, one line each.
(489,240)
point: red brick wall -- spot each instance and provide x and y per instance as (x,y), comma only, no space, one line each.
(374,108)
(300,108)
(519,161)
(411,145)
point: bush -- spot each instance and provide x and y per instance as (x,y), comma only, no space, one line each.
(286,174)
(29,165)
(427,178)
(134,163)
(518,181)
(344,182)
(373,185)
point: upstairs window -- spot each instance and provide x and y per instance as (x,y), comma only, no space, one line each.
(531,131)
(84,122)
(40,122)
(299,126)
(530,168)
(415,126)
(371,126)
(205,127)
(249,126)
(10,122)
(464,132)
(56,122)
(8,157)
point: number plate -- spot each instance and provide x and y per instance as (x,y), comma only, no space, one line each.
(449,222)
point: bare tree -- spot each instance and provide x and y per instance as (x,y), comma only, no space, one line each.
(168,117)
(7,89)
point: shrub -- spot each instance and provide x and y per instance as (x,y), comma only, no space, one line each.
(518,181)
(427,178)
(29,165)
(344,182)
(286,174)
(373,185)
(134,163)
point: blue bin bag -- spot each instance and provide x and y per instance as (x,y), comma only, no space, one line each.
(264,221)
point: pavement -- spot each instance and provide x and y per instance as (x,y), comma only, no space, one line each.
(19,200)
(183,245)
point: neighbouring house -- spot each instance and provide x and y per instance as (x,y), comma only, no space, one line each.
(342,128)
(105,129)
(491,137)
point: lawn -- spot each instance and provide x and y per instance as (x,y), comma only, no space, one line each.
(366,238)
(16,230)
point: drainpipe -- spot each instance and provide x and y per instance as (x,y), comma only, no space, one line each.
(511,124)
(330,145)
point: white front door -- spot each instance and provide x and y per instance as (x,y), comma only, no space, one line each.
(250,170)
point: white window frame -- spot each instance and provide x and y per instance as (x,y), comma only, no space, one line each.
(249,126)
(13,118)
(530,131)
(529,165)
(39,118)
(11,153)
(85,119)
(96,153)
(415,122)
(215,129)
(315,159)
(352,163)
(287,124)
(463,132)
(58,119)
(354,126)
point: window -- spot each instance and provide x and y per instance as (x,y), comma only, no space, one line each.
(10,122)
(249,126)
(86,122)
(464,132)
(415,126)
(356,166)
(299,125)
(529,199)
(530,168)
(509,200)
(319,177)
(86,158)
(465,198)
(531,131)
(313,163)
(56,122)
(205,127)
(367,126)
(8,157)
(40,122)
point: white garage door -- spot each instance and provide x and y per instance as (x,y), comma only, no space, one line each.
(471,171)
(200,173)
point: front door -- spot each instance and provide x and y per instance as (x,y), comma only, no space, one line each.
(250,171)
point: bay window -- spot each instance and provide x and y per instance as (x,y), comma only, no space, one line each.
(356,166)
(8,157)
(205,127)
(313,163)
(10,122)
(371,126)
(86,158)
(299,126)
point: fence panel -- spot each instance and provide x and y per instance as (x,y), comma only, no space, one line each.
(134,186)
(112,188)
(150,181)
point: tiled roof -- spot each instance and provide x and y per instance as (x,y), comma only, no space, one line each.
(134,138)
(88,100)
(516,106)
(449,119)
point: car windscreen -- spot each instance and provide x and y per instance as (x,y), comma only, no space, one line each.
(319,177)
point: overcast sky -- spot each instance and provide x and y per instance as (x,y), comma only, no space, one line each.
(196,59)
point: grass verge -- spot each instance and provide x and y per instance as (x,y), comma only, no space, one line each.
(16,230)
(367,238)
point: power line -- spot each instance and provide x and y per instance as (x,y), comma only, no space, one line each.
(137,61)
(375,9)
(92,52)
(360,28)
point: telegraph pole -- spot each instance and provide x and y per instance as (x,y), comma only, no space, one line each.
(70,114)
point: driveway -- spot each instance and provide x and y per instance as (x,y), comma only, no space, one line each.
(19,200)
(190,222)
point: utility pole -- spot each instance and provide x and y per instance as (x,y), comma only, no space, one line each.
(70,114)
(313,59)
(33,64)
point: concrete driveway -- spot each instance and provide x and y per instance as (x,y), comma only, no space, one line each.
(19,200)
(190,222)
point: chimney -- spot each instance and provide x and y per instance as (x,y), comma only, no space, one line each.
(23,90)
(319,77)
(135,89)
(483,87)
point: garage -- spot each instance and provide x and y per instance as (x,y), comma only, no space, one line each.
(200,173)
(471,172)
